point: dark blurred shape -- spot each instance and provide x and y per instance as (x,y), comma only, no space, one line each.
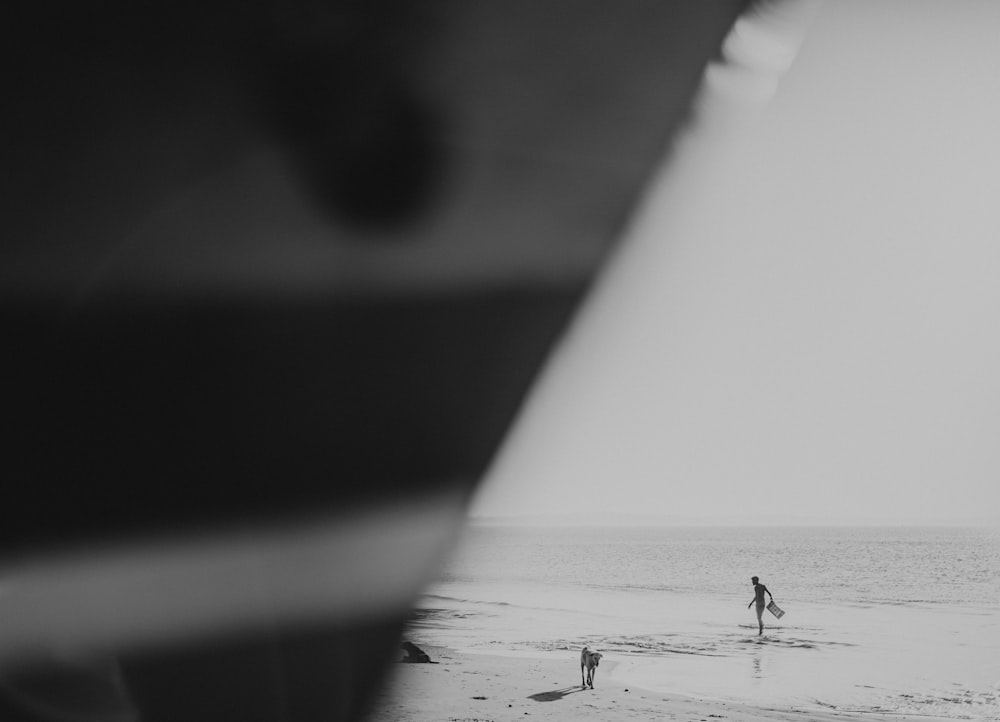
(339,87)
(140,416)
(195,384)
(304,674)
(88,688)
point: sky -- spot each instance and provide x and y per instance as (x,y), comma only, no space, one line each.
(801,322)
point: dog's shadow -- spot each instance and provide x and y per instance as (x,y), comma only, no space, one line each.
(555,694)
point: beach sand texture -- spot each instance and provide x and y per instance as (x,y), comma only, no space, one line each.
(472,687)
(881,624)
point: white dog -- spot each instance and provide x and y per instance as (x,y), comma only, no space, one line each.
(589,659)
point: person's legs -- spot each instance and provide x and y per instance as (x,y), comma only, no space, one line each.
(760,619)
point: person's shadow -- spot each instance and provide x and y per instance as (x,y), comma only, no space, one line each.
(555,694)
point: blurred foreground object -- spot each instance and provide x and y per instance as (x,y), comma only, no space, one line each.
(274,282)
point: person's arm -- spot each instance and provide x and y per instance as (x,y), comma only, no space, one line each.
(768,592)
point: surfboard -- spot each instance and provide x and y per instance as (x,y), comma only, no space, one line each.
(775,609)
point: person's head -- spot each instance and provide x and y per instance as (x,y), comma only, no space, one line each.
(754,579)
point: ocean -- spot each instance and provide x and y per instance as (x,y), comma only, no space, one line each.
(900,620)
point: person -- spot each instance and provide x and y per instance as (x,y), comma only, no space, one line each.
(758,597)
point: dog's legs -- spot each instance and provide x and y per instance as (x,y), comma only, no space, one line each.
(583,679)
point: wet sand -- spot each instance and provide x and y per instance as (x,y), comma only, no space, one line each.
(472,687)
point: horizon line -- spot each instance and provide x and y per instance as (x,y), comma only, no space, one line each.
(628,519)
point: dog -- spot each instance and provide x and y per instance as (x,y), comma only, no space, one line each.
(589,659)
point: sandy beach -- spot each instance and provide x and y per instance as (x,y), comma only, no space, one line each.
(474,687)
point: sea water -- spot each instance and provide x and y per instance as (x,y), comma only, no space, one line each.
(899,620)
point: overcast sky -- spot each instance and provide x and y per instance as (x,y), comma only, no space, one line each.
(803,321)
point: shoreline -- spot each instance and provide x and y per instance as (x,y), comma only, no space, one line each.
(492,687)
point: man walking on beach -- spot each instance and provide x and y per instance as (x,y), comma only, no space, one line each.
(758,591)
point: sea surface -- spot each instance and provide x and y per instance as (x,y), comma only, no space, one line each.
(901,620)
